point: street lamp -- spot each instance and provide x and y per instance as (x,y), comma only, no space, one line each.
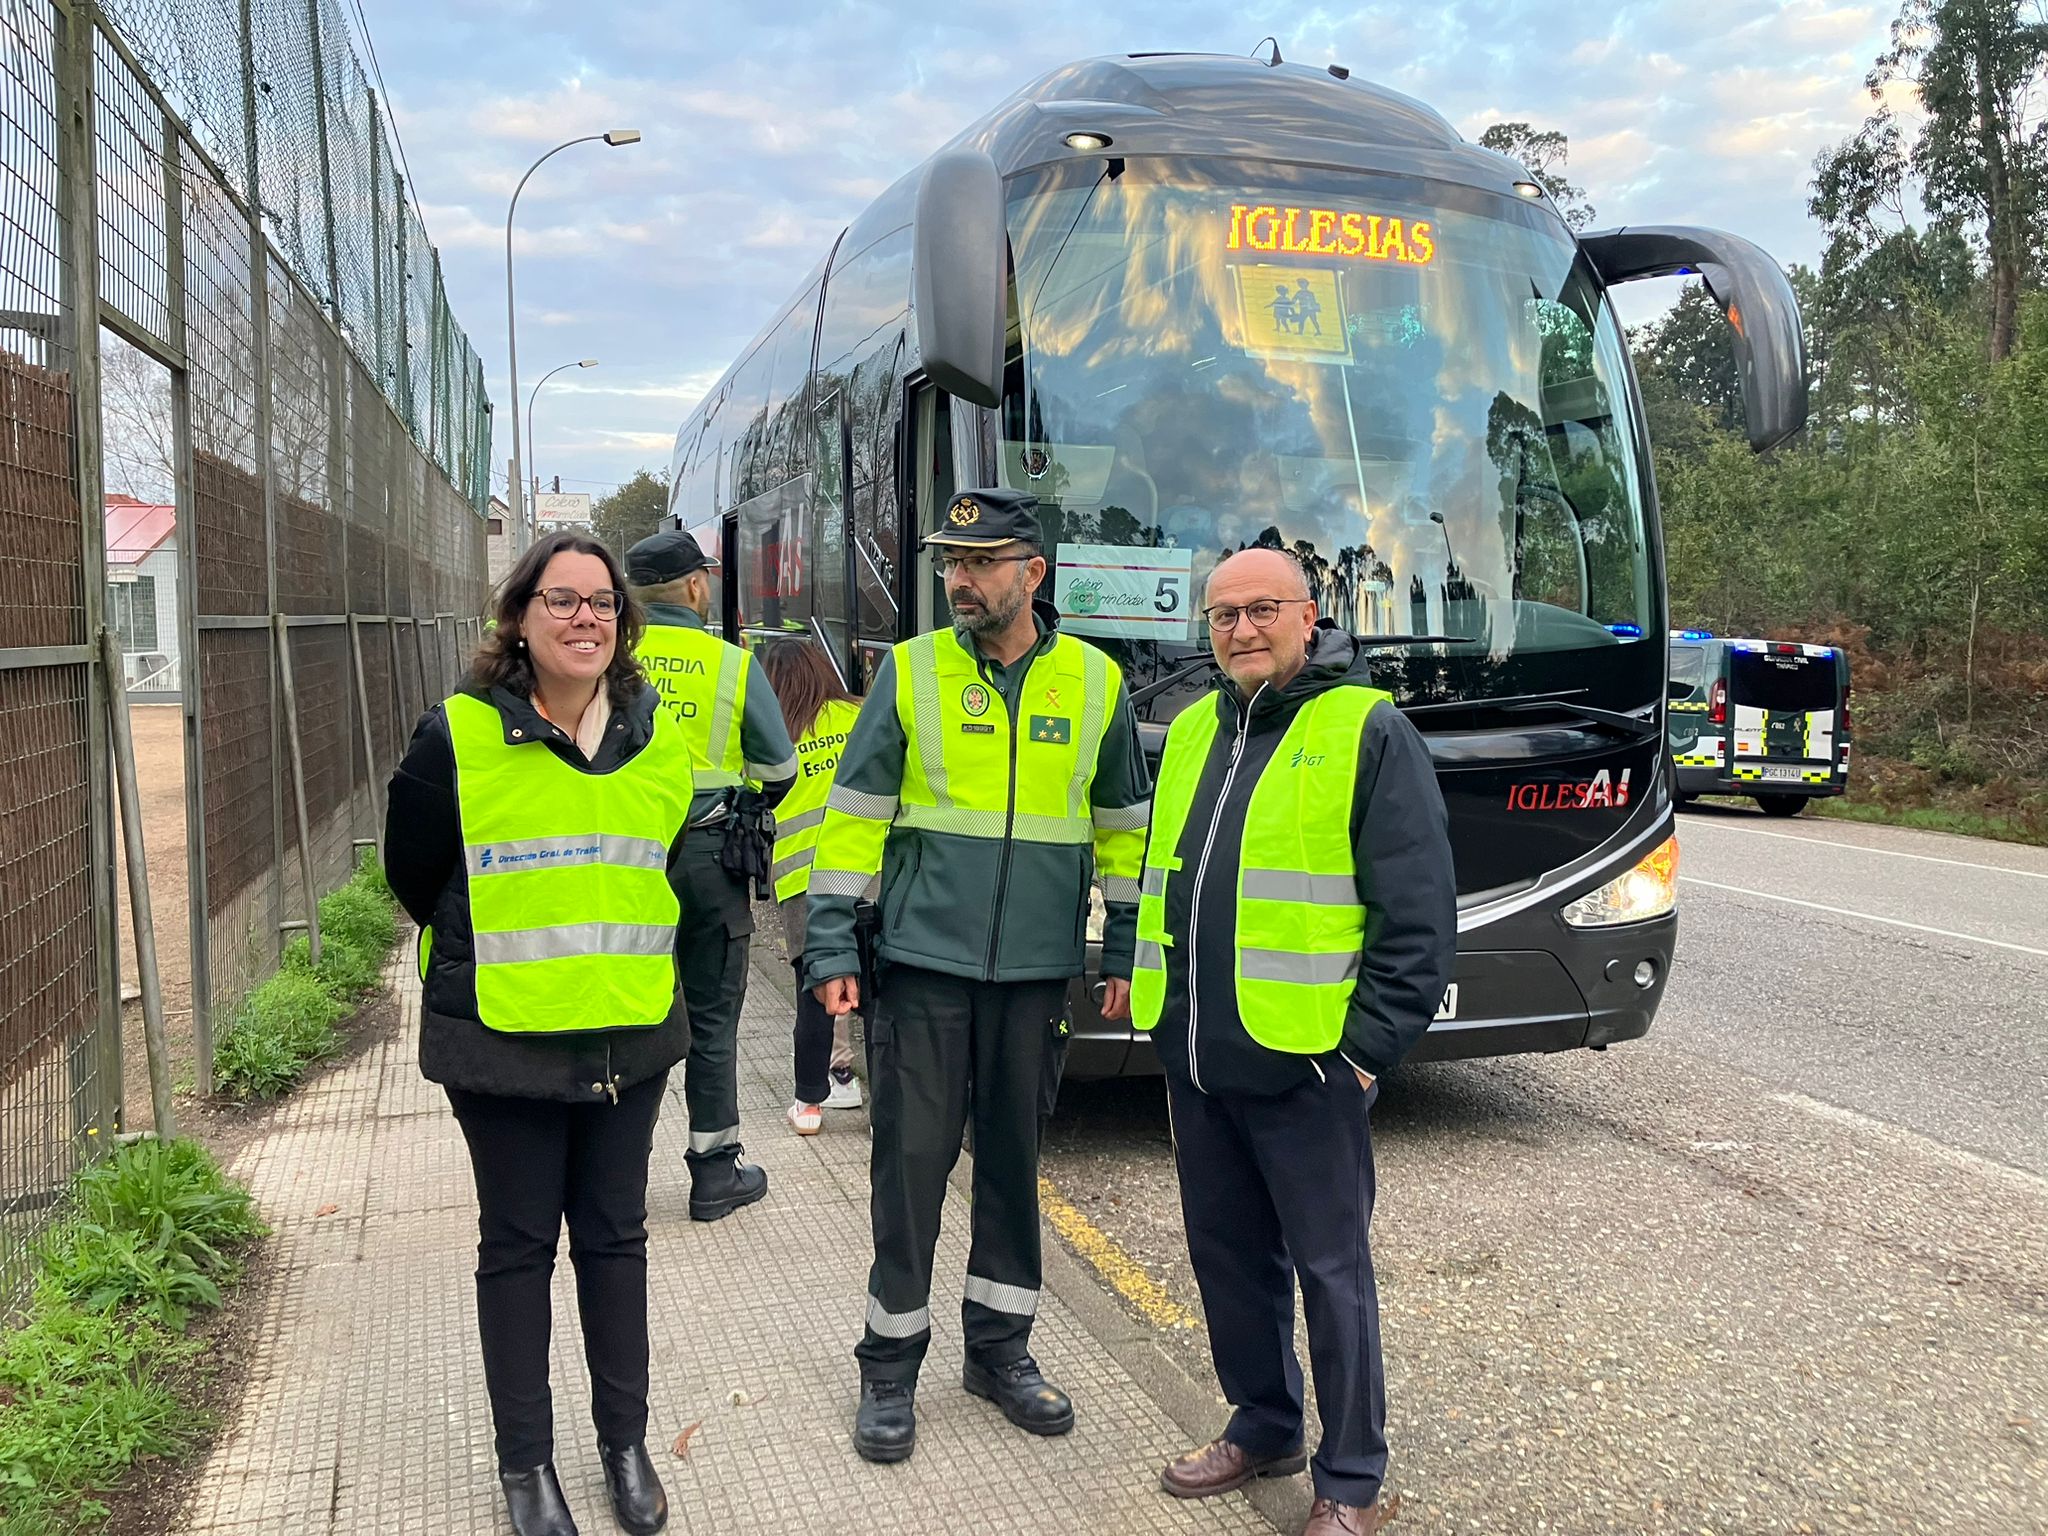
(617,138)
(533,460)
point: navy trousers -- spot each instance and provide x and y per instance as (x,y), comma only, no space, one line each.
(1275,1189)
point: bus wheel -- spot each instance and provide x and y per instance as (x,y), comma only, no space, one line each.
(1781,805)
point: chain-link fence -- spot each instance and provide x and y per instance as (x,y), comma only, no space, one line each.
(212,180)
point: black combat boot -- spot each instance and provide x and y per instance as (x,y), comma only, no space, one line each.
(885,1428)
(1027,1399)
(722,1183)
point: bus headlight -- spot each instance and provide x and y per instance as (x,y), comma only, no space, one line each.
(1098,915)
(1649,890)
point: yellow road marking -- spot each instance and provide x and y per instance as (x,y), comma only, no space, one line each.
(1123,1272)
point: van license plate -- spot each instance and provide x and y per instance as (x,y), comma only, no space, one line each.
(1449,1010)
(1781,771)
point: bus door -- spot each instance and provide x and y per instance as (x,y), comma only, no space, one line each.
(1784,704)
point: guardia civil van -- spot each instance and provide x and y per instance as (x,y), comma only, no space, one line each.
(1763,718)
(1198,303)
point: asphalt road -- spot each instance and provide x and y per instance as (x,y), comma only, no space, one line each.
(1780,1267)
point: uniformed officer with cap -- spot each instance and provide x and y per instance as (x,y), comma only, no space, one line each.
(994,771)
(738,746)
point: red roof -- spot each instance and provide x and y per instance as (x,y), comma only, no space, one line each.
(135,529)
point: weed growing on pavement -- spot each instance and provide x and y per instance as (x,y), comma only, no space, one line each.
(88,1381)
(287,1024)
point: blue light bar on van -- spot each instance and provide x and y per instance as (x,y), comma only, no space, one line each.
(1627,631)
(1695,634)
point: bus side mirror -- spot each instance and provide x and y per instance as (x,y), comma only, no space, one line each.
(1753,292)
(959,274)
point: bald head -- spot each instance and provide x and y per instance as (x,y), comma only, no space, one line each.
(1265,595)
(1275,572)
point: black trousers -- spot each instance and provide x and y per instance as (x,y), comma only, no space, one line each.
(716,923)
(537,1162)
(1275,1189)
(942,1051)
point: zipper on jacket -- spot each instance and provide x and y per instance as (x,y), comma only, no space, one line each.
(1244,725)
(995,928)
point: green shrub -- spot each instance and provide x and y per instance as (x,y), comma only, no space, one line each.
(155,1228)
(362,917)
(282,1027)
(345,969)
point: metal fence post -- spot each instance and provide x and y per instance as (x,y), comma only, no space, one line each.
(138,889)
(96,1083)
(259,295)
(282,633)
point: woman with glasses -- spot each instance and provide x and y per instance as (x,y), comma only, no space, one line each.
(534,830)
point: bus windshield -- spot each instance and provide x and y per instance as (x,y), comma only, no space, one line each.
(1416,387)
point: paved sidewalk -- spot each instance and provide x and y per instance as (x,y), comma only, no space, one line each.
(365,1408)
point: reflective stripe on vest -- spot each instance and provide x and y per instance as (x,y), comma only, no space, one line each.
(571,916)
(703,682)
(956,770)
(802,811)
(1300,927)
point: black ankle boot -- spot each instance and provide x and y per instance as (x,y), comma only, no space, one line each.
(1027,1399)
(637,1497)
(885,1428)
(722,1184)
(535,1500)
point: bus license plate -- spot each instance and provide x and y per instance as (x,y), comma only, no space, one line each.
(1449,1010)
(1781,771)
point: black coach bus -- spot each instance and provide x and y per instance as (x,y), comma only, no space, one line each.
(1197,304)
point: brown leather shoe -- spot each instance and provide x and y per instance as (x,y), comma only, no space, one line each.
(1221,1465)
(1326,1517)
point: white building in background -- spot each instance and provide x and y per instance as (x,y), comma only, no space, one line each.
(142,595)
(499,553)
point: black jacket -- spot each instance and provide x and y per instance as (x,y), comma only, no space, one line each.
(423,861)
(1400,837)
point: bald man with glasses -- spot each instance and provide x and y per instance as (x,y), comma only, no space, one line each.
(1297,922)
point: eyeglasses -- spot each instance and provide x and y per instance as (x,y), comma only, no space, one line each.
(1262,613)
(563,602)
(978,565)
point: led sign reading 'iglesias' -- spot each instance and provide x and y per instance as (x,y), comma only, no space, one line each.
(1326,232)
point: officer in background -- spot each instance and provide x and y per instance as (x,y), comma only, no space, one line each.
(739,747)
(994,769)
(1296,929)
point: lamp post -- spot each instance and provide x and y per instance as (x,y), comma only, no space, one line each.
(533,461)
(521,514)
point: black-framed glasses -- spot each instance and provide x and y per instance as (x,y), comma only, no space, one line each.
(1261,612)
(978,565)
(605,603)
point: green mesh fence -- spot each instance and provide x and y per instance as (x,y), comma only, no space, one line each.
(333,197)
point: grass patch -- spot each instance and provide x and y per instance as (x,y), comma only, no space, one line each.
(1934,818)
(87,1382)
(287,1024)
(1924,818)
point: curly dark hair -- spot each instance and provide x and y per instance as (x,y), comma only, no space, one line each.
(502,662)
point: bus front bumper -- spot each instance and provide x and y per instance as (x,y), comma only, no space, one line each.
(1584,988)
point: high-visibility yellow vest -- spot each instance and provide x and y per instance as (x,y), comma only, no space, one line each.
(571,916)
(703,685)
(1300,925)
(802,811)
(966,773)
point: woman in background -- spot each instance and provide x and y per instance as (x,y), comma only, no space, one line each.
(819,712)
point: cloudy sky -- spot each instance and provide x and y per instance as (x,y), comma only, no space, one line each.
(769,126)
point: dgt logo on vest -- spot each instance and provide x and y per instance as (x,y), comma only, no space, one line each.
(1601,791)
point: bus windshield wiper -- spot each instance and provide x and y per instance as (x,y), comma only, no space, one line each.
(1390,642)
(1633,726)
(1179,674)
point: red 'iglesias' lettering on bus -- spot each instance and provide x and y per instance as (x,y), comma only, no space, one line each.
(1604,791)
